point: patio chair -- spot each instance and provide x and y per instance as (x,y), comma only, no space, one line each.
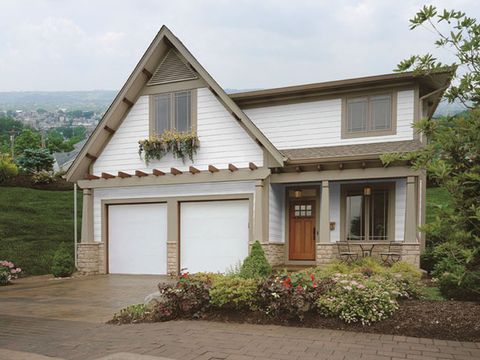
(344,252)
(394,253)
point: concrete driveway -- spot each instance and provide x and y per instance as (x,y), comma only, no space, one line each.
(91,299)
(64,319)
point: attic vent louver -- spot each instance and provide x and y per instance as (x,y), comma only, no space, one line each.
(172,69)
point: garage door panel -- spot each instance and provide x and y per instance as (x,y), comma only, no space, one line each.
(214,235)
(137,236)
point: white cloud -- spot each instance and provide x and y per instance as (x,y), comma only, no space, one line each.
(67,45)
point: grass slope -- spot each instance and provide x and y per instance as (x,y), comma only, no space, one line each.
(32,225)
(436,197)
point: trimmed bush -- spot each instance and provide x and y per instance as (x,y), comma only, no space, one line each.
(357,298)
(256,264)
(233,292)
(8,169)
(131,314)
(63,264)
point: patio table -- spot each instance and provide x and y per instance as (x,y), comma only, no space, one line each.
(367,246)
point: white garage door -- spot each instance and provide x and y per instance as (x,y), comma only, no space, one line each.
(213,235)
(137,239)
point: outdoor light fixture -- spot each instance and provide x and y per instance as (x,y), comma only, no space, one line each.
(367,191)
(298,193)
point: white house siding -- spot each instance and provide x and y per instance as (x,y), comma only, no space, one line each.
(222,140)
(163,191)
(318,123)
(276,207)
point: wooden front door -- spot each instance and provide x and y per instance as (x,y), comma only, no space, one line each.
(302,230)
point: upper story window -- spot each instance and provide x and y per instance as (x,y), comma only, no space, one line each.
(173,111)
(369,115)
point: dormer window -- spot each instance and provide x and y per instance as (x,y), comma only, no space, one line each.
(369,115)
(172,111)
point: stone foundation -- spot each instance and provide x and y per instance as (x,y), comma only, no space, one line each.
(90,258)
(275,253)
(328,252)
(172,258)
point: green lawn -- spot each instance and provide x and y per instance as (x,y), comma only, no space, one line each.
(32,225)
(435,197)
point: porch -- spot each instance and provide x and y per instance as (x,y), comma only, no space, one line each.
(307,219)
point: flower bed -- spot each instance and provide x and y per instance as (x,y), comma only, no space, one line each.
(365,292)
(8,272)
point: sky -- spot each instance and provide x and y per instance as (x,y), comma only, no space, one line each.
(51,45)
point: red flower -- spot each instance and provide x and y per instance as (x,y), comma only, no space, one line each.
(314,285)
(299,288)
(312,276)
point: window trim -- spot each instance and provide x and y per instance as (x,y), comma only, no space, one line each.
(347,189)
(368,133)
(151,110)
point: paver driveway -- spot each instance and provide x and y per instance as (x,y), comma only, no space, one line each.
(64,319)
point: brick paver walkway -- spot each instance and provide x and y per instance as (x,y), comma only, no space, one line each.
(73,338)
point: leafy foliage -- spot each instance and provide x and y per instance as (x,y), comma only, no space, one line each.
(35,160)
(256,264)
(63,264)
(462,36)
(8,271)
(181,145)
(360,298)
(27,139)
(233,292)
(131,314)
(8,169)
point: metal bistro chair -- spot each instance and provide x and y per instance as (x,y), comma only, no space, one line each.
(394,253)
(344,252)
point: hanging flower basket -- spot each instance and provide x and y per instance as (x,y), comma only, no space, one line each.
(181,145)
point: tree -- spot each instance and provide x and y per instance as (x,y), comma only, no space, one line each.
(56,142)
(28,139)
(452,155)
(462,35)
(35,160)
(8,169)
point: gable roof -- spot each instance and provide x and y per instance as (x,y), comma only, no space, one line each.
(163,42)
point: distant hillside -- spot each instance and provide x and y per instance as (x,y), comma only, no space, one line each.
(95,100)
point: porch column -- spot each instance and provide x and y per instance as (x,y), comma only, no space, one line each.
(173,261)
(87,216)
(325,213)
(259,213)
(411,211)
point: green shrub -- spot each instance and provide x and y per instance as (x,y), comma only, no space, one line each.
(356,298)
(233,292)
(256,264)
(63,264)
(428,259)
(8,169)
(35,160)
(131,314)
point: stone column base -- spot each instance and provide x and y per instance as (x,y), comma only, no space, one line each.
(326,253)
(172,258)
(90,258)
(275,253)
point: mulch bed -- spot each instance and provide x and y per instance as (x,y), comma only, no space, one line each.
(446,320)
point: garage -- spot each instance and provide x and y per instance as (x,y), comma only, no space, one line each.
(213,234)
(137,239)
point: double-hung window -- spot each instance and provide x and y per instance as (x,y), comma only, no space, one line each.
(369,115)
(172,111)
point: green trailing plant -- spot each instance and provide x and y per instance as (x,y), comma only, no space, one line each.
(256,264)
(181,145)
(63,264)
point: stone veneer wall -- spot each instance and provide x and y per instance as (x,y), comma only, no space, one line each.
(90,258)
(172,258)
(328,252)
(275,253)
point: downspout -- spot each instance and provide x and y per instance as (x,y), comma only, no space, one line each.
(75,225)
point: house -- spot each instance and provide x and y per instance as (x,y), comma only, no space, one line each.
(296,168)
(63,160)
